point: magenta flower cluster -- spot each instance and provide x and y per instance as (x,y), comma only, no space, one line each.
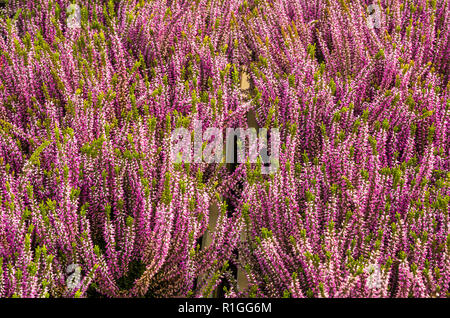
(358,207)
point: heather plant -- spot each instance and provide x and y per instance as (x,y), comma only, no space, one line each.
(92,204)
(85,156)
(364,178)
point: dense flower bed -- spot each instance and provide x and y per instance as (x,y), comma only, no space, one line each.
(359,206)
